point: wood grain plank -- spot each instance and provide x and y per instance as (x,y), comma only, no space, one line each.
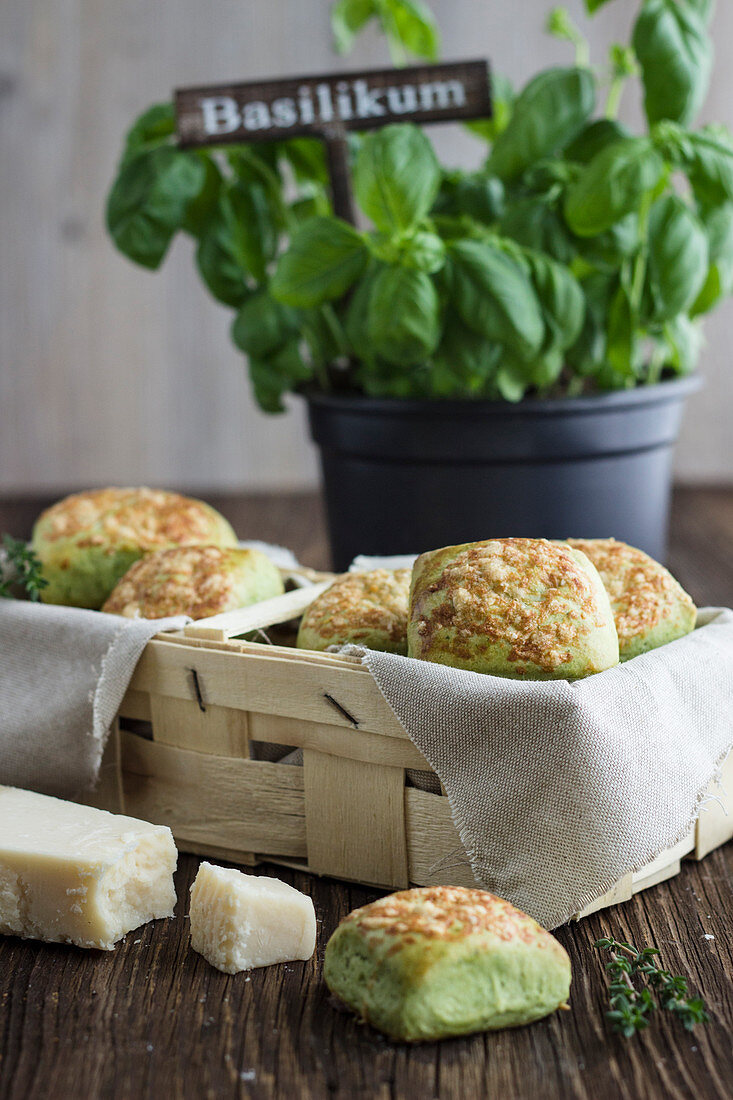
(355,819)
(257,683)
(239,805)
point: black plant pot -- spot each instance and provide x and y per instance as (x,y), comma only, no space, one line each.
(403,476)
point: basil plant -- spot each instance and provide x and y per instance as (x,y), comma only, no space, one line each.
(579,257)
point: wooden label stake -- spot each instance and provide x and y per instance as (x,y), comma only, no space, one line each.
(328,106)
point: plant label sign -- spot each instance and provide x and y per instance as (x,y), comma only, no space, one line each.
(327,106)
(319,105)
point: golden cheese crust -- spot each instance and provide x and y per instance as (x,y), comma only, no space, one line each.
(444,913)
(145,518)
(197,581)
(518,607)
(649,605)
(368,608)
(87,541)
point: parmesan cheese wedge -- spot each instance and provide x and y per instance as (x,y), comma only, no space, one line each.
(240,921)
(74,874)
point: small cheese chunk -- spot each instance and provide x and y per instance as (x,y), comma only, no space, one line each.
(73,874)
(242,921)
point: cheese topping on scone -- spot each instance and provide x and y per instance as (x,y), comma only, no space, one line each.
(368,608)
(649,606)
(197,581)
(525,608)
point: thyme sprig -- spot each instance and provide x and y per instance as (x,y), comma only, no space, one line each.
(19,565)
(631,1006)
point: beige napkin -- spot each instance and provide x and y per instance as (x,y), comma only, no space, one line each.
(560,789)
(63,673)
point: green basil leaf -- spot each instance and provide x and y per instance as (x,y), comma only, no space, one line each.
(684,340)
(357,313)
(593,138)
(709,165)
(313,206)
(678,257)
(413,24)
(495,297)
(479,196)
(502,104)
(562,301)
(608,250)
(403,322)
(713,290)
(148,202)
(424,251)
(547,115)
(718,225)
(274,375)
(254,234)
(511,380)
(154,127)
(324,335)
(534,223)
(467,362)
(675,53)
(704,8)
(263,325)
(347,19)
(326,255)
(593,5)
(257,168)
(396,177)
(547,368)
(587,355)
(621,340)
(201,209)
(307,158)
(256,162)
(380,379)
(218,266)
(612,186)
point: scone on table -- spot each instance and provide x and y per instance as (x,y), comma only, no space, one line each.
(440,961)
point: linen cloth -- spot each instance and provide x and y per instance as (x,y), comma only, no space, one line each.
(63,674)
(559,789)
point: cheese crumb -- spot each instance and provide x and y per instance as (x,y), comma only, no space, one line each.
(240,921)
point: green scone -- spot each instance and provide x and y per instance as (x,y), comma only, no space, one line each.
(440,961)
(368,609)
(649,606)
(87,541)
(198,581)
(527,609)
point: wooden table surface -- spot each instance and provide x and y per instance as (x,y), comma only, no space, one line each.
(153,1019)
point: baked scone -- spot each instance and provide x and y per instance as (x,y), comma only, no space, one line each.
(87,541)
(439,961)
(368,609)
(527,609)
(649,606)
(194,580)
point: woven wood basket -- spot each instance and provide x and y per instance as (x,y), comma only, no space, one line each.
(252,751)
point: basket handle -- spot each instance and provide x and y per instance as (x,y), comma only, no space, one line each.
(280,609)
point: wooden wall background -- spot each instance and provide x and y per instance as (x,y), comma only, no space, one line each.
(112,374)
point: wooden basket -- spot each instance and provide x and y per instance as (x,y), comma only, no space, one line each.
(196,747)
